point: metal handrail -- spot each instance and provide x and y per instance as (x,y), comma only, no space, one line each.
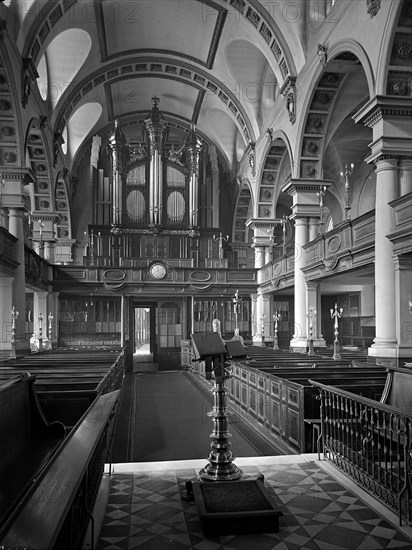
(371,443)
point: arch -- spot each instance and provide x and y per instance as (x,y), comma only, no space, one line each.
(392,78)
(318,109)
(38,158)
(271,175)
(10,118)
(62,206)
(243,211)
(116,72)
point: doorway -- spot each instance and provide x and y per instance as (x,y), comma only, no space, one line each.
(143,334)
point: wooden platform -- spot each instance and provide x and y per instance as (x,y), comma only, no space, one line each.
(233,507)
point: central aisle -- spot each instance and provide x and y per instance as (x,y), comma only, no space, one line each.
(163,417)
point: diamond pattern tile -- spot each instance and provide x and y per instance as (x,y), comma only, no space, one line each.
(145,511)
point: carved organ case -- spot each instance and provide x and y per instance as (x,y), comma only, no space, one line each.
(154,190)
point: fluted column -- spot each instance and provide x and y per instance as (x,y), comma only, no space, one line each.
(156,128)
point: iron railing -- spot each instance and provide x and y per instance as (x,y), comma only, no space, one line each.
(371,443)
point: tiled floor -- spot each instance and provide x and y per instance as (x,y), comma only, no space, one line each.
(145,510)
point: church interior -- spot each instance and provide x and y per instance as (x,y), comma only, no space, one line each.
(206,225)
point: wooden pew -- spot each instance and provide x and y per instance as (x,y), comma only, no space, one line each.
(398,389)
(66,391)
(56,513)
(286,404)
(28,441)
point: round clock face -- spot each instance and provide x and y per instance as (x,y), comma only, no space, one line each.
(157,271)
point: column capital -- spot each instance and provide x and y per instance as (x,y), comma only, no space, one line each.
(304,193)
(390,120)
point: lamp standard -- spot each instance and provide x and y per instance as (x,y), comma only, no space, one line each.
(336,314)
(236,299)
(345,178)
(40,318)
(50,318)
(262,328)
(277,316)
(311,315)
(14,315)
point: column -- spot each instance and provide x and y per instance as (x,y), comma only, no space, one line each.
(385,342)
(313,228)
(156,127)
(390,121)
(6,304)
(403,296)
(193,147)
(313,301)
(299,339)
(305,213)
(19,296)
(117,148)
(405,177)
(267,318)
(254,313)
(259,335)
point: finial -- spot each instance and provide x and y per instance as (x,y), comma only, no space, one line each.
(155,101)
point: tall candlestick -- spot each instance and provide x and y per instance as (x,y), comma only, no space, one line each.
(336,314)
(40,318)
(277,316)
(14,315)
(311,315)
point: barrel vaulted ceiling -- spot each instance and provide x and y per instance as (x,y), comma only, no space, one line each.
(216,64)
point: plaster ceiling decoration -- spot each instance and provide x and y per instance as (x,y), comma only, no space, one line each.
(202,58)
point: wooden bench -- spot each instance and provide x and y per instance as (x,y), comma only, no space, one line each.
(28,442)
(285,403)
(57,512)
(398,389)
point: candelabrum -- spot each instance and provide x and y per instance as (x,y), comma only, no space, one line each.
(345,178)
(336,314)
(14,314)
(320,194)
(311,316)
(90,244)
(221,239)
(262,327)
(50,318)
(236,299)
(277,316)
(40,318)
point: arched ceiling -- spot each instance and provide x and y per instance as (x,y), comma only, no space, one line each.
(213,63)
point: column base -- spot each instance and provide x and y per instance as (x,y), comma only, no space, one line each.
(259,341)
(301,345)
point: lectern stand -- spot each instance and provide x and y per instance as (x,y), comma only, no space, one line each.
(209,346)
(232,505)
